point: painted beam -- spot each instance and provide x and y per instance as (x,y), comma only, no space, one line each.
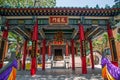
(42,33)
(56,32)
(97,34)
(117,17)
(21,31)
(91,33)
(88,31)
(74,33)
(70,17)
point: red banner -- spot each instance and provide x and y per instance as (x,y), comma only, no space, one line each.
(58,20)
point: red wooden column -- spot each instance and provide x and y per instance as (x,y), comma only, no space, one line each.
(91,54)
(24,54)
(67,49)
(34,45)
(83,51)
(43,54)
(3,44)
(112,45)
(49,50)
(73,53)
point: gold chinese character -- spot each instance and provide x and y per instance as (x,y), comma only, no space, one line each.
(54,20)
(63,20)
(58,20)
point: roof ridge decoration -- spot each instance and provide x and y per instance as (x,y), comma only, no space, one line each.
(59,7)
(59,11)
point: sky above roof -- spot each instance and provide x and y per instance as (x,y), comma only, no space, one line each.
(83,3)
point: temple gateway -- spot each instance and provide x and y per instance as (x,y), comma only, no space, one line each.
(58,35)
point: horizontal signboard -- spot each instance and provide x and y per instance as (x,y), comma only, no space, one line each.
(58,20)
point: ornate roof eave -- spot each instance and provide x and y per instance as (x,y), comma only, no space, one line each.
(59,11)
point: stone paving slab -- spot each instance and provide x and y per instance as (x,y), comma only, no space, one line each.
(61,74)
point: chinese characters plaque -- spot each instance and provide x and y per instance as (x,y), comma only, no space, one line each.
(58,20)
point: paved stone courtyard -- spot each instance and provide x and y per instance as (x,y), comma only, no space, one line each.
(62,74)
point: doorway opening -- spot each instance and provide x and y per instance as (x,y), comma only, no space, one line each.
(58,56)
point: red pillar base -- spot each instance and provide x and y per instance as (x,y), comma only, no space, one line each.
(91,54)
(33,67)
(93,67)
(84,68)
(43,54)
(23,64)
(115,63)
(24,55)
(73,63)
(73,52)
(1,65)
